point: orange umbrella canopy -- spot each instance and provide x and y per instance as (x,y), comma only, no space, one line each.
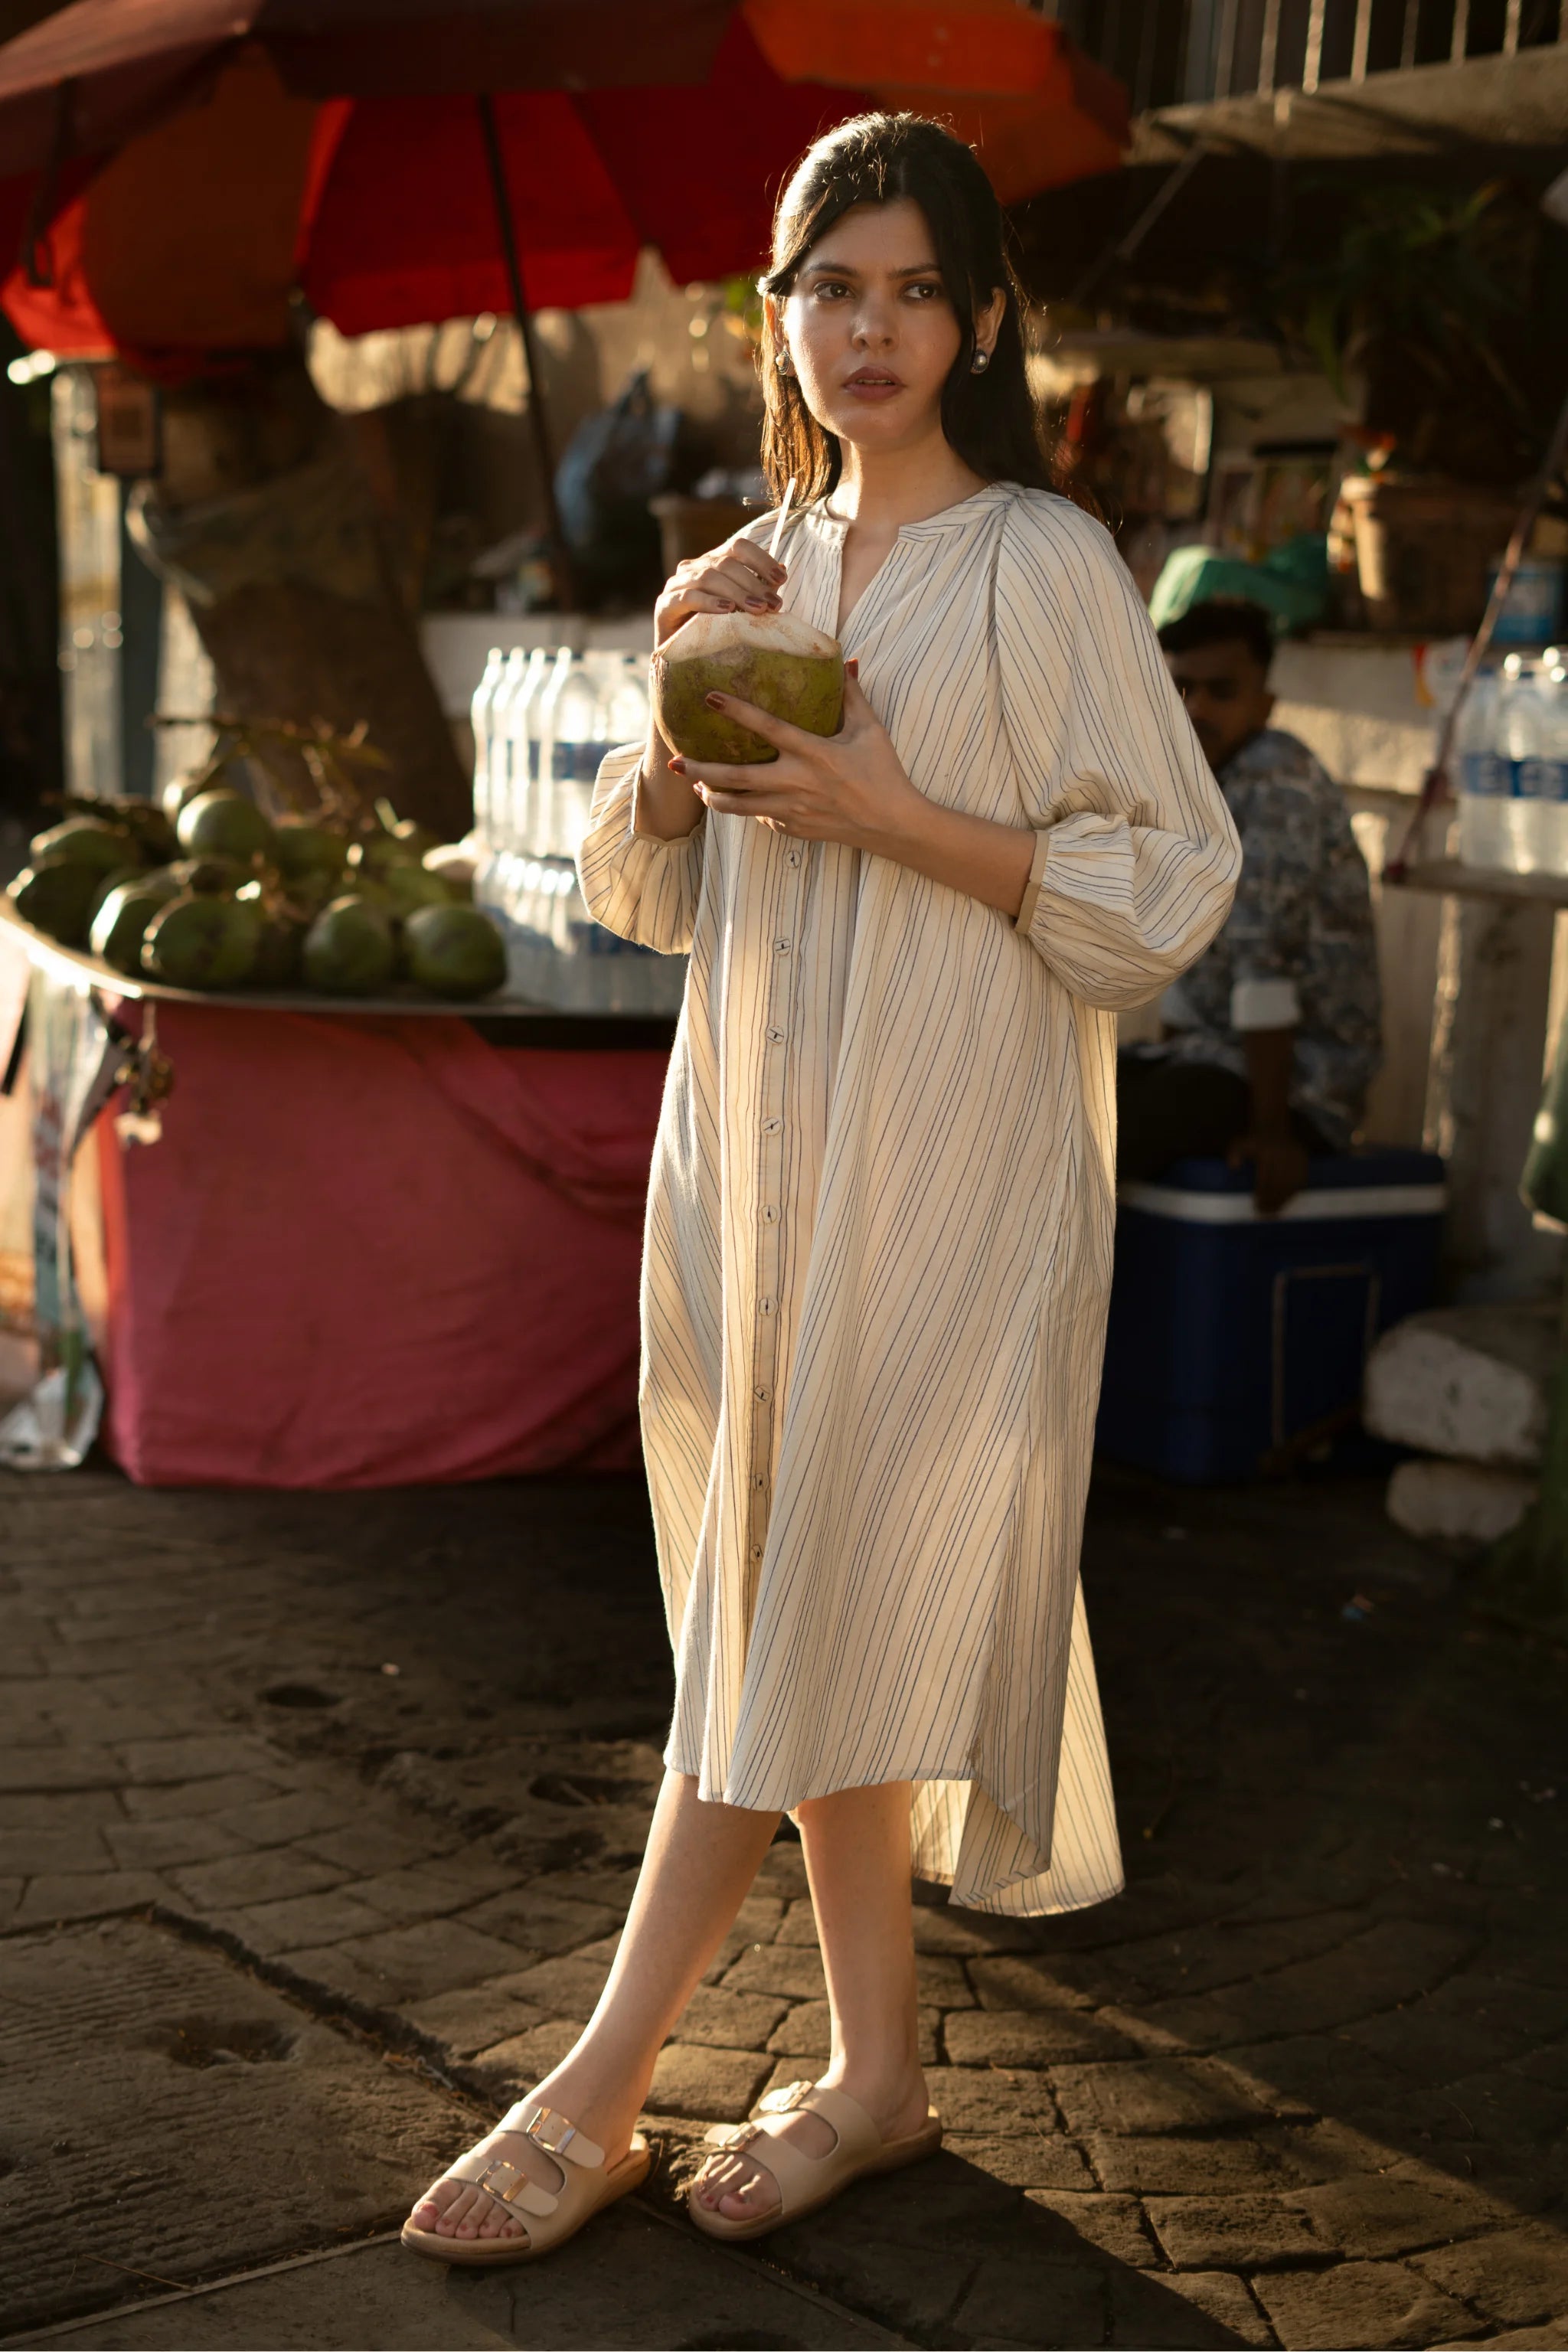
(195,233)
(1010,82)
(930,44)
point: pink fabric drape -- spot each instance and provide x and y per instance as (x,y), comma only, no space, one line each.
(376,1253)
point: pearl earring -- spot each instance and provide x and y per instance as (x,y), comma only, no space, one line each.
(783,363)
(979,363)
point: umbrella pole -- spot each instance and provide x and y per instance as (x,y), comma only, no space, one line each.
(560,560)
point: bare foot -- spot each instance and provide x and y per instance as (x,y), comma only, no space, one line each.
(737,2183)
(460,2209)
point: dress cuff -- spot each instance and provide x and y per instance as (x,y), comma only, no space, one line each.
(645,833)
(1265,1004)
(1036,883)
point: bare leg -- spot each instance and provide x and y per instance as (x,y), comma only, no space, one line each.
(700,1864)
(858,1860)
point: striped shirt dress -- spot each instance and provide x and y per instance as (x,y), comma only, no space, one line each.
(880,1221)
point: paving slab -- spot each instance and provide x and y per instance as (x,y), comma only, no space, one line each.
(1359,2304)
(637,2282)
(168,2113)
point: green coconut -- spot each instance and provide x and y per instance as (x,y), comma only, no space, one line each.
(86,841)
(301,850)
(398,888)
(121,922)
(108,884)
(150,832)
(454,951)
(382,855)
(280,951)
(55,897)
(178,794)
(202,942)
(163,881)
(209,878)
(776,660)
(408,888)
(349,948)
(309,893)
(222,823)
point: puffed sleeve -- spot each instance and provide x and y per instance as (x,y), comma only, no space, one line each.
(633,882)
(1137,857)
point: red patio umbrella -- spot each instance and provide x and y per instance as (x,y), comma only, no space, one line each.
(381,204)
(499,155)
(101,72)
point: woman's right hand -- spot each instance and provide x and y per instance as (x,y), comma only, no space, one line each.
(739,577)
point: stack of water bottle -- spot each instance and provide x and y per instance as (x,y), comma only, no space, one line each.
(542,722)
(1511,758)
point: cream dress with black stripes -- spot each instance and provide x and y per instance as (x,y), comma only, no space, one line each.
(879,1223)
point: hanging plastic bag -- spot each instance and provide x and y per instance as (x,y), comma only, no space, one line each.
(614,463)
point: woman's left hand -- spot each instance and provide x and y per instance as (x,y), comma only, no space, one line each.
(848,787)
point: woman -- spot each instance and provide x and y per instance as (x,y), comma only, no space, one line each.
(879,1227)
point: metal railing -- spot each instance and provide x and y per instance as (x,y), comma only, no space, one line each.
(1187,52)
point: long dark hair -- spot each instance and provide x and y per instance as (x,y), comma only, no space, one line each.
(990,420)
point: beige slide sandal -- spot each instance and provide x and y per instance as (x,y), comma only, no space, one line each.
(805,2182)
(554,2215)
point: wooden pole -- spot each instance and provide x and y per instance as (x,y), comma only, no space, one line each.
(560,557)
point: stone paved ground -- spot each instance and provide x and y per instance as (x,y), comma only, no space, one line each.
(318,1817)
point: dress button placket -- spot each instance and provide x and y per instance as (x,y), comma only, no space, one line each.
(777,1019)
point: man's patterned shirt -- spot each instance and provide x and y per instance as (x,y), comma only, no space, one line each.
(1298,950)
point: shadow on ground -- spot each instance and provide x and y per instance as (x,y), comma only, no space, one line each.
(385,1762)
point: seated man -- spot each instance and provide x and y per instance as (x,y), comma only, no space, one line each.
(1272,1038)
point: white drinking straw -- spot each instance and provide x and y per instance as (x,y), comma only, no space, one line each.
(784,515)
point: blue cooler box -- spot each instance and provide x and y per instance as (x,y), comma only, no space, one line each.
(1236,1337)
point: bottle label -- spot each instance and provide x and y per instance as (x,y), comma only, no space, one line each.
(1485,775)
(577,764)
(1541,779)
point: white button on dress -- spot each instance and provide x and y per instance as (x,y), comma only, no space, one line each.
(880,1212)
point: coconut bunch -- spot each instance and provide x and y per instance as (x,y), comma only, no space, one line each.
(206,892)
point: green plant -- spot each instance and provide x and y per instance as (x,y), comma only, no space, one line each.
(1429,274)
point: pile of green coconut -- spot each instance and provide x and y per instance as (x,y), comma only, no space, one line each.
(205,893)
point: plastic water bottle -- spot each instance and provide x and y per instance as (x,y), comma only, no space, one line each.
(1524,731)
(481,711)
(525,749)
(491,877)
(525,745)
(541,711)
(530,951)
(568,760)
(523,912)
(1484,778)
(628,702)
(1546,787)
(573,709)
(576,719)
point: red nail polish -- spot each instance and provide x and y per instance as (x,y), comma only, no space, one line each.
(714,701)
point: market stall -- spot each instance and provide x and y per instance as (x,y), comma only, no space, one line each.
(372,1244)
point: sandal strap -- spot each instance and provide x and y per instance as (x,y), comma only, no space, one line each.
(500,2179)
(855,2133)
(484,2166)
(785,2100)
(796,2176)
(550,2130)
